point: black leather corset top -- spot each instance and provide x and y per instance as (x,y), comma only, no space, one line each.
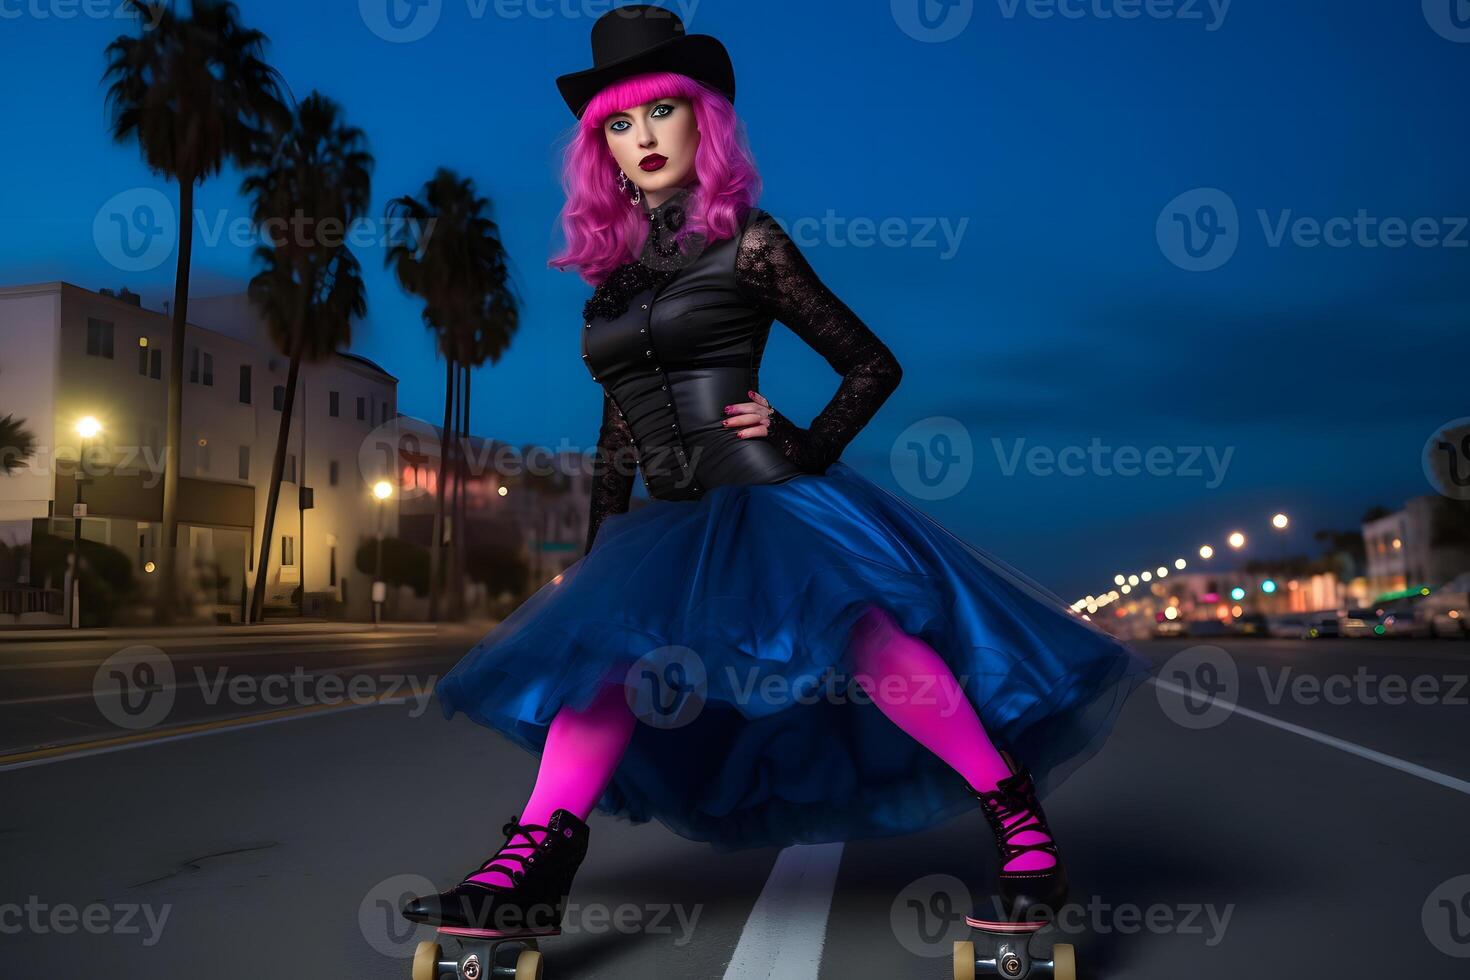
(679,354)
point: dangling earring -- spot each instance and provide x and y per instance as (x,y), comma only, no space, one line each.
(637,197)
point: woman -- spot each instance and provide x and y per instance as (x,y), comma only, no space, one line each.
(774,650)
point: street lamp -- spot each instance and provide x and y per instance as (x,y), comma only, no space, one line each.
(1237,540)
(382,490)
(88,428)
(1280,521)
(1206,552)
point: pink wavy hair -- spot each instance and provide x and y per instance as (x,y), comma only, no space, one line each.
(602,230)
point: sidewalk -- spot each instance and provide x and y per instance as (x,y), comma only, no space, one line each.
(33,634)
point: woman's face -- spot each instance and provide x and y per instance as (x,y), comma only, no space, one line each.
(654,144)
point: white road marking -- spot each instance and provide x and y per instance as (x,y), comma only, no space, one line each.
(367,668)
(1352,748)
(162,738)
(787,928)
(214,654)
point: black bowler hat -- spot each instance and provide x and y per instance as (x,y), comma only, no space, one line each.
(640,38)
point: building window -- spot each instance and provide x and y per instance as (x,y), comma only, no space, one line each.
(288,550)
(332,566)
(193,365)
(278,398)
(244,384)
(289,473)
(334,403)
(245,462)
(155,363)
(332,471)
(143,360)
(99,338)
(361,408)
(384,419)
(209,369)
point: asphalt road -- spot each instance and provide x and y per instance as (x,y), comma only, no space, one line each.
(1300,811)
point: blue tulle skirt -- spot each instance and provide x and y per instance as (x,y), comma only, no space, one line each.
(728,620)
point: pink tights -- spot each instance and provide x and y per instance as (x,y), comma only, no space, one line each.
(904,676)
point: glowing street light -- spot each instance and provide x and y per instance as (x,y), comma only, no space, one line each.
(1237,540)
(87,428)
(1180,564)
(1280,521)
(1206,552)
(382,490)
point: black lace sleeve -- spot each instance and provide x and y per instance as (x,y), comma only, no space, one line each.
(777,279)
(612,468)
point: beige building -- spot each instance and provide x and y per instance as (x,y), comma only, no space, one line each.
(68,353)
(1407,551)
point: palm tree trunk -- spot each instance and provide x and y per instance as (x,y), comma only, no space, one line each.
(278,467)
(462,539)
(166,601)
(446,442)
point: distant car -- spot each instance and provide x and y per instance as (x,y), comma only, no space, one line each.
(1291,627)
(1358,622)
(1209,627)
(1320,625)
(1252,624)
(1400,623)
(1445,612)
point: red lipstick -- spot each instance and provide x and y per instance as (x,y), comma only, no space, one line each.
(652,162)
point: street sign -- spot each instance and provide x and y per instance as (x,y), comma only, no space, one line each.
(380,591)
(78,510)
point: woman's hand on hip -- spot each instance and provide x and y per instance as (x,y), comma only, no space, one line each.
(749,419)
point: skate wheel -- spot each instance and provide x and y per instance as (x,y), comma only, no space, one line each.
(426,961)
(1064,962)
(964,961)
(528,965)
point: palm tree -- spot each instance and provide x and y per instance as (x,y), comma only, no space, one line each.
(458,266)
(314,183)
(487,336)
(16,444)
(194,92)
